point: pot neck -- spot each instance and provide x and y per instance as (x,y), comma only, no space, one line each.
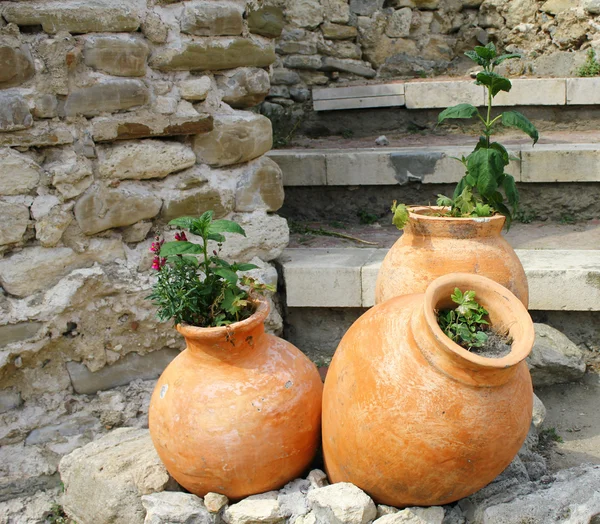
(423,222)
(507,315)
(227,343)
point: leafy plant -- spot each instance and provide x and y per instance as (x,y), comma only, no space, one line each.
(198,288)
(58,516)
(591,67)
(366,217)
(464,324)
(485,188)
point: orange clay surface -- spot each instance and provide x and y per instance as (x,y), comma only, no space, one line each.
(238,411)
(433,246)
(414,419)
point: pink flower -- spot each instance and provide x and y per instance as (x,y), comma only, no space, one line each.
(180,236)
(158,262)
(155,247)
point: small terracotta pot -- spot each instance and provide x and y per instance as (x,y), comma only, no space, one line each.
(238,411)
(413,418)
(433,246)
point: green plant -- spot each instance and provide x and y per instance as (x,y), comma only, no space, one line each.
(203,292)
(464,323)
(550,434)
(366,217)
(567,219)
(591,67)
(526,216)
(58,516)
(485,187)
(347,133)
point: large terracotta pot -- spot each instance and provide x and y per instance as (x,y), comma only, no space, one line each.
(432,246)
(238,411)
(413,418)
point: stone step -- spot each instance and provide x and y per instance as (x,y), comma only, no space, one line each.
(557,158)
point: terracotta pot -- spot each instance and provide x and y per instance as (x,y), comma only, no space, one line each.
(434,246)
(413,418)
(238,411)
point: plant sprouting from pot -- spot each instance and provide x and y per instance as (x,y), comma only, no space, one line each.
(485,188)
(464,324)
(196,287)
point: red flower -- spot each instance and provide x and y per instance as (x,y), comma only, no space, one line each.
(158,262)
(180,236)
(155,247)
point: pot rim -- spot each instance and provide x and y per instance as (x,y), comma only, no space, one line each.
(213,333)
(416,213)
(520,348)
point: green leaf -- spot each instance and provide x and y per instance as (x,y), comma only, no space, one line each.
(462,183)
(217,237)
(225,226)
(245,267)
(401,216)
(486,52)
(475,57)
(494,82)
(188,260)
(487,166)
(183,222)
(510,188)
(444,201)
(499,59)
(459,111)
(180,248)
(502,150)
(516,119)
(227,274)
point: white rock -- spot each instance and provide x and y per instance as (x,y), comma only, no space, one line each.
(18,173)
(292,498)
(165,105)
(13,225)
(215,502)
(42,205)
(382,141)
(195,88)
(342,503)
(171,507)
(262,508)
(305,13)
(317,478)
(71,174)
(539,412)
(433,515)
(49,230)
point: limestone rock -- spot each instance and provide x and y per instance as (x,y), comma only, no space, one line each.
(266,21)
(433,515)
(519,11)
(215,502)
(215,54)
(303,62)
(116,55)
(171,507)
(305,13)
(317,478)
(105,479)
(50,228)
(154,28)
(244,87)
(235,138)
(336,11)
(557,6)
(30,508)
(262,508)
(14,113)
(15,218)
(283,76)
(142,159)
(365,7)
(195,88)
(42,205)
(539,412)
(260,186)
(592,6)
(16,63)
(212,18)
(357,67)
(342,503)
(18,173)
(193,202)
(136,232)
(399,24)
(165,105)
(554,359)
(340,49)
(107,96)
(79,16)
(571,30)
(102,208)
(41,134)
(46,106)
(338,32)
(71,174)
(38,268)
(292,498)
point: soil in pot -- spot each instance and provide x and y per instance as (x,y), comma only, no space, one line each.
(496,346)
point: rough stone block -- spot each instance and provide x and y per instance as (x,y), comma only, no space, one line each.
(116,55)
(76,16)
(11,333)
(16,63)
(14,113)
(340,49)
(46,106)
(423,95)
(235,138)
(534,91)
(15,218)
(260,186)
(583,91)
(215,54)
(336,11)
(262,508)
(125,370)
(244,87)
(195,88)
(305,13)
(18,173)
(212,19)
(9,398)
(71,174)
(266,21)
(193,202)
(50,228)
(365,7)
(356,67)
(107,96)
(41,134)
(170,507)
(141,159)
(102,208)
(555,163)
(342,502)
(302,62)
(338,32)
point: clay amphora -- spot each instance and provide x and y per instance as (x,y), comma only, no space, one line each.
(413,418)
(238,411)
(432,246)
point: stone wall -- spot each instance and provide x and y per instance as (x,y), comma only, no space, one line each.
(115,117)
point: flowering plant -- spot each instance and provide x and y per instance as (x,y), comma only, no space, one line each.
(201,292)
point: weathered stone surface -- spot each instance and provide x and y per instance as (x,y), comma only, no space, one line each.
(141,159)
(71,174)
(154,28)
(107,96)
(212,19)
(170,507)
(215,502)
(215,54)
(116,55)
(256,508)
(193,202)
(136,232)
(317,478)
(356,67)
(16,63)
(260,187)
(11,333)
(365,7)
(234,139)
(399,24)
(557,6)
(266,21)
(539,412)
(42,205)
(571,30)
(41,134)
(105,479)
(51,227)
(554,359)
(303,62)
(293,47)
(337,11)
(102,208)
(46,106)
(340,49)
(37,268)
(14,113)
(342,503)
(519,11)
(18,173)
(125,370)
(338,32)
(305,13)
(592,6)
(78,16)
(284,77)
(195,88)
(147,124)
(433,515)
(13,225)
(244,87)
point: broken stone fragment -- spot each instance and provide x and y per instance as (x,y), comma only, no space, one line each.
(14,113)
(116,55)
(260,186)
(18,173)
(41,134)
(266,21)
(15,218)
(71,174)
(193,202)
(195,88)
(244,87)
(212,19)
(107,96)
(50,228)
(16,63)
